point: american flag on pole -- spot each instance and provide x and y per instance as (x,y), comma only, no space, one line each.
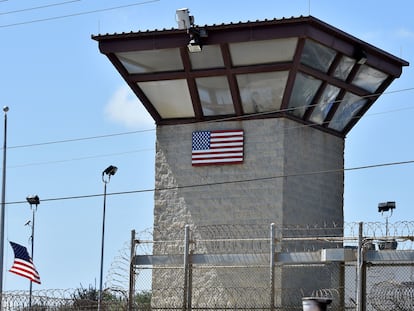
(23,264)
(217,147)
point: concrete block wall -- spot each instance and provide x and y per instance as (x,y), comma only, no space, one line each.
(313,188)
(226,199)
(292,175)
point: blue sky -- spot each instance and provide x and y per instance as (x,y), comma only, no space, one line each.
(71,115)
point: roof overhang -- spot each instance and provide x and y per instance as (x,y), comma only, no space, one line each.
(299,68)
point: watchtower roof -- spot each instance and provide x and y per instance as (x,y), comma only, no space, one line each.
(299,68)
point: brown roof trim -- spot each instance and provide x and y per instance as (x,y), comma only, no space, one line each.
(309,27)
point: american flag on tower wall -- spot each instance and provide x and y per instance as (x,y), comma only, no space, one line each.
(217,147)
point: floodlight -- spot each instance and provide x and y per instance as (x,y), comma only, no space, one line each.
(360,56)
(33,199)
(195,44)
(386,206)
(110,170)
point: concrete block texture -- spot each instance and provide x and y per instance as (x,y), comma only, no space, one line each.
(292,175)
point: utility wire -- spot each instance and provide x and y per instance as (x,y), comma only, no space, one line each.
(39,7)
(148,130)
(305,107)
(79,139)
(339,170)
(217,120)
(80,158)
(203,185)
(78,14)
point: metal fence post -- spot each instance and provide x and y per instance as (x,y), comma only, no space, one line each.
(186,291)
(190,281)
(132,273)
(272,266)
(360,276)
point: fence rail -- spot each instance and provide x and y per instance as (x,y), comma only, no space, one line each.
(360,267)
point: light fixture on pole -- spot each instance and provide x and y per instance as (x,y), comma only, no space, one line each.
(106,177)
(388,208)
(196,39)
(186,21)
(32,200)
(3,204)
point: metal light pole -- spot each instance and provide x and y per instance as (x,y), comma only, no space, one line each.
(386,207)
(106,177)
(33,200)
(388,242)
(3,204)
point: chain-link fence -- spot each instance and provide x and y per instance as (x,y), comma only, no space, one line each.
(361,267)
(260,267)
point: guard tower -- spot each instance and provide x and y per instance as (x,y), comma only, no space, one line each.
(251,118)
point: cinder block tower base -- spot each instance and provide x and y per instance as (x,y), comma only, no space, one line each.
(291,176)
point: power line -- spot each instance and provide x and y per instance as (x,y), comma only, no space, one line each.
(39,7)
(80,158)
(78,14)
(217,120)
(79,139)
(339,170)
(305,107)
(150,130)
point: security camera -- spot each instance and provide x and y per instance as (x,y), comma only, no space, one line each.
(184,19)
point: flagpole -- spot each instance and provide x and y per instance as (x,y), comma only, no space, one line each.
(3,205)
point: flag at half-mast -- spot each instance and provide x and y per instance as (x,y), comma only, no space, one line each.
(23,264)
(217,147)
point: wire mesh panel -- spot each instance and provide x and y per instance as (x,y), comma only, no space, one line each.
(247,268)
(350,286)
(310,279)
(222,287)
(390,287)
(168,288)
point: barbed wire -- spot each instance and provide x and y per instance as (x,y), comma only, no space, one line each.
(390,288)
(118,273)
(392,295)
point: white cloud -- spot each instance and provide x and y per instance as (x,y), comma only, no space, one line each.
(125,108)
(405,33)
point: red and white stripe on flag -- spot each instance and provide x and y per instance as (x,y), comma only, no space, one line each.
(217,147)
(23,264)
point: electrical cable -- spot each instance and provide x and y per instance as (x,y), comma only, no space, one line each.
(39,7)
(340,170)
(304,107)
(217,120)
(80,158)
(209,184)
(78,14)
(79,139)
(149,130)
